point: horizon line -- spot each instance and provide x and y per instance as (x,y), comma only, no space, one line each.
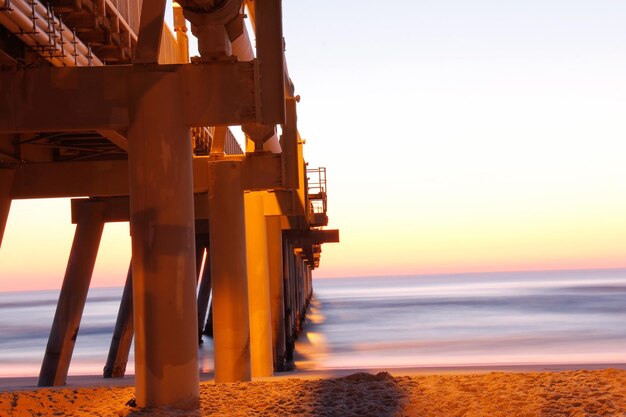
(511,271)
(386,275)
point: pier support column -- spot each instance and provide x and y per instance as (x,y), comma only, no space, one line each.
(56,361)
(299,290)
(288,290)
(261,356)
(6,183)
(275,266)
(163,243)
(123,333)
(229,276)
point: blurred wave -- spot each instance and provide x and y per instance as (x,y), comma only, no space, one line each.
(439,320)
(469,319)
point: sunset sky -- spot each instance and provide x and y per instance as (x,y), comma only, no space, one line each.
(458,136)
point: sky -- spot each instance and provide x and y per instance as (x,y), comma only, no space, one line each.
(459,136)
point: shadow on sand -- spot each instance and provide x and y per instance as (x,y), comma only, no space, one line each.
(359,394)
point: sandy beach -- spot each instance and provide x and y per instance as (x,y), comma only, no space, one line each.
(561,393)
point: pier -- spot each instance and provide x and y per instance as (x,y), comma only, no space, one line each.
(101,103)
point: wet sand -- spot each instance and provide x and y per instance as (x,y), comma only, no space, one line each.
(451,392)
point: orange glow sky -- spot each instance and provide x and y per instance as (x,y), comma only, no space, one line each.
(459,136)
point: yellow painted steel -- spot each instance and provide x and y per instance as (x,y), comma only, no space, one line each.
(229,274)
(258,286)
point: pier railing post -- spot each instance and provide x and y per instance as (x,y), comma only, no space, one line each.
(229,276)
(73,295)
(163,243)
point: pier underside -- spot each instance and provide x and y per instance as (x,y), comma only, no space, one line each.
(99,102)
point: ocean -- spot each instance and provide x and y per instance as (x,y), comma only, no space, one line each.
(490,319)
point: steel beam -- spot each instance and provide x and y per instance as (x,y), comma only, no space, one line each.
(30,99)
(117,209)
(110,178)
(289,145)
(262,171)
(70,179)
(218,93)
(115,137)
(270,58)
(212,93)
(313,236)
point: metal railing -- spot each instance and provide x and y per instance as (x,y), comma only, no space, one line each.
(316,179)
(129,10)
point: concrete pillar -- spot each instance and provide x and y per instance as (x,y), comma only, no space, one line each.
(275,266)
(229,276)
(261,356)
(163,244)
(305,284)
(122,334)
(298,280)
(6,183)
(73,295)
(301,291)
(288,300)
(309,283)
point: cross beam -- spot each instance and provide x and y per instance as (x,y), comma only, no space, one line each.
(213,93)
(110,177)
(117,208)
